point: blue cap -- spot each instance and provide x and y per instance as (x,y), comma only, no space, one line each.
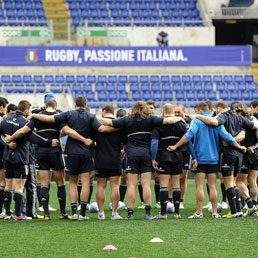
(48,96)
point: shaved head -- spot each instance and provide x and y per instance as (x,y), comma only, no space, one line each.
(168,109)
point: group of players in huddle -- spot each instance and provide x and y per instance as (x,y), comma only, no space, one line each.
(211,142)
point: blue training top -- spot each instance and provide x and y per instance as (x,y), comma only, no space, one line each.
(206,140)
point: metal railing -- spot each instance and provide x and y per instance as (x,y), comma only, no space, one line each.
(233,13)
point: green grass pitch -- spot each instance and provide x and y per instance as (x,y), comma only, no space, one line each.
(182,238)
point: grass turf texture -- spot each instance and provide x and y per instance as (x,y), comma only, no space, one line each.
(182,238)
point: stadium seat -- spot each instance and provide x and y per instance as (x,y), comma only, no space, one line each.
(186,79)
(27,78)
(190,96)
(165,79)
(80,79)
(29,88)
(196,79)
(112,79)
(249,78)
(90,96)
(242,86)
(133,79)
(59,79)
(66,88)
(167,96)
(180,96)
(197,87)
(16,78)
(221,86)
(217,78)
(235,95)
(102,96)
(19,88)
(145,87)
(110,87)
(212,96)
(146,95)
(254,94)
(201,96)
(120,87)
(208,87)
(69,79)
(91,79)
(5,78)
(123,79)
(245,95)
(238,78)
(206,79)
(252,86)
(99,87)
(175,79)
(76,88)
(224,95)
(134,87)
(136,96)
(157,96)
(176,87)
(41,88)
(228,78)
(49,78)
(8,88)
(231,87)
(123,96)
(187,87)
(166,87)
(155,87)
(112,96)
(56,88)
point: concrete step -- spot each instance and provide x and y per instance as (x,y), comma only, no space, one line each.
(53,1)
(57,15)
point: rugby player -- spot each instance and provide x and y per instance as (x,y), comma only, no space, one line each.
(206,145)
(3,108)
(180,111)
(108,165)
(231,157)
(168,164)
(138,127)
(16,161)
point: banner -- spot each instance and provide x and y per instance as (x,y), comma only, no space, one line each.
(126,56)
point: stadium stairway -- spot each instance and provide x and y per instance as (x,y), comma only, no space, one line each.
(58,12)
(255,72)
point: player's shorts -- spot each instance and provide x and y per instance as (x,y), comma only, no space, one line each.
(186,161)
(123,164)
(230,165)
(169,168)
(138,164)
(1,164)
(78,164)
(206,168)
(47,161)
(17,170)
(250,162)
(106,173)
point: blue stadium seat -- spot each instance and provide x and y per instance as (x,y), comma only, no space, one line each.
(167,96)
(123,78)
(102,79)
(164,79)
(238,78)
(136,96)
(121,105)
(224,95)
(212,96)
(133,79)
(120,87)
(154,79)
(76,88)
(166,87)
(242,86)
(59,79)
(69,79)
(220,86)
(29,88)
(99,87)
(145,87)
(231,87)
(152,6)
(5,78)
(180,96)
(19,88)
(66,88)
(49,78)
(122,6)
(235,95)
(187,87)
(186,79)
(20,13)
(92,6)
(56,88)
(9,88)
(175,79)
(134,87)
(190,96)
(16,79)
(206,78)
(228,78)
(196,79)
(91,79)
(90,96)
(252,86)
(146,95)
(112,96)
(217,78)
(132,6)
(144,79)
(123,96)
(27,78)
(110,87)
(197,87)
(201,96)
(249,78)
(208,87)
(80,78)
(157,96)
(245,95)
(254,95)
(155,87)
(41,88)
(30,13)
(112,79)
(176,87)
(102,96)
(87,88)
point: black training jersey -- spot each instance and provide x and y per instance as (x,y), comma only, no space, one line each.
(42,109)
(108,149)
(188,123)
(250,136)
(138,132)
(233,124)
(46,130)
(83,123)
(169,135)
(21,154)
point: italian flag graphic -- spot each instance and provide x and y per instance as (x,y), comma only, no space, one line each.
(31,55)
